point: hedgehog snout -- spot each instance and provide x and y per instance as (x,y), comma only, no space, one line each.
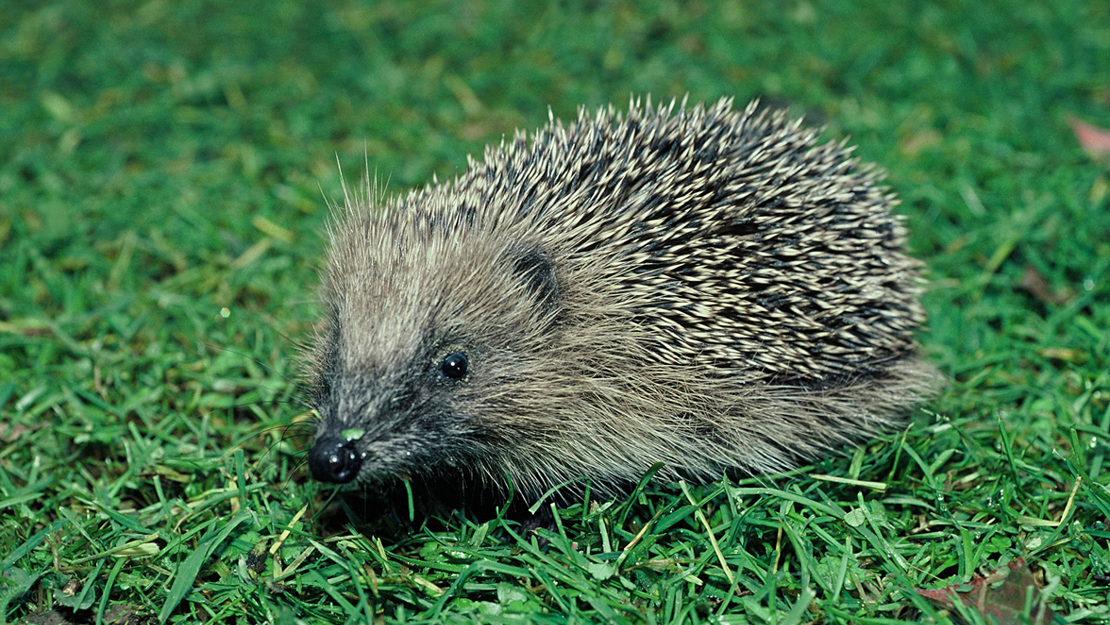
(335,460)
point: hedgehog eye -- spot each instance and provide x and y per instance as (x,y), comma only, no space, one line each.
(454,366)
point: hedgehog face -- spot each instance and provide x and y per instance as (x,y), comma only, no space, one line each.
(406,376)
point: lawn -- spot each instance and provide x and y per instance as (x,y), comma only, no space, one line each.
(165,174)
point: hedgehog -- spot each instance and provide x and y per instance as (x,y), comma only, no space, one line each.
(695,290)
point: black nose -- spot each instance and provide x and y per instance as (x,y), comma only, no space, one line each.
(333,459)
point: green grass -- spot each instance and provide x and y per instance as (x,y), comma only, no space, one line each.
(163,169)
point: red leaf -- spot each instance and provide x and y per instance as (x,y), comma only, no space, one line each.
(1000,594)
(1095,141)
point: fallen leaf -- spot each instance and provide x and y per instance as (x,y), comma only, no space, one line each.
(1062,353)
(1000,594)
(11,432)
(1095,141)
(913,144)
(49,617)
(1038,287)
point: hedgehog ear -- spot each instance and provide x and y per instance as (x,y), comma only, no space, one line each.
(537,272)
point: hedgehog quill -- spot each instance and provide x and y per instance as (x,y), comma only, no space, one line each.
(709,288)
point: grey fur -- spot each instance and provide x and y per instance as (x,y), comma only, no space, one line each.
(708,288)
